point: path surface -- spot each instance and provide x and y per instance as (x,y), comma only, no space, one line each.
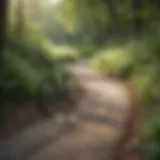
(89,133)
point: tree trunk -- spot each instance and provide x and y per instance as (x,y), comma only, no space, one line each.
(138,19)
(3,29)
(3,25)
(36,8)
(114,17)
(20,17)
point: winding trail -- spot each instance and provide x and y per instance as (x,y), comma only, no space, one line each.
(90,132)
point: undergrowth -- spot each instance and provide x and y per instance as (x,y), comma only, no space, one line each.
(138,61)
(30,66)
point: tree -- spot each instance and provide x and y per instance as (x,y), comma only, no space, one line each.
(3,25)
(100,15)
(20,18)
(114,17)
(137,19)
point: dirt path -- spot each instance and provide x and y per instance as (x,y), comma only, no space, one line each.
(89,133)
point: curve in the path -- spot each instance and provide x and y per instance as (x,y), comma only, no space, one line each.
(89,133)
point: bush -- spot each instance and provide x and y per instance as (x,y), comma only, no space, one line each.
(139,60)
(150,140)
(28,67)
(113,61)
(146,79)
(87,51)
(61,53)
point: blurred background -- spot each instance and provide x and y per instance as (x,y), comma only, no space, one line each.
(38,37)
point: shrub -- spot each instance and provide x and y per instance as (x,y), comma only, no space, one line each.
(139,60)
(27,67)
(114,61)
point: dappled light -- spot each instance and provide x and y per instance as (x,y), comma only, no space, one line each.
(79,80)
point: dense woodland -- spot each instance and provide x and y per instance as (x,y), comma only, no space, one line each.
(120,37)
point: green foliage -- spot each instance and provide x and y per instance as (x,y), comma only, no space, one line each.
(61,52)
(141,59)
(78,29)
(115,61)
(76,11)
(151,136)
(27,63)
(146,81)
(85,51)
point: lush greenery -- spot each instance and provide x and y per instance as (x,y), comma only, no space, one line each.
(127,34)
(138,61)
(121,37)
